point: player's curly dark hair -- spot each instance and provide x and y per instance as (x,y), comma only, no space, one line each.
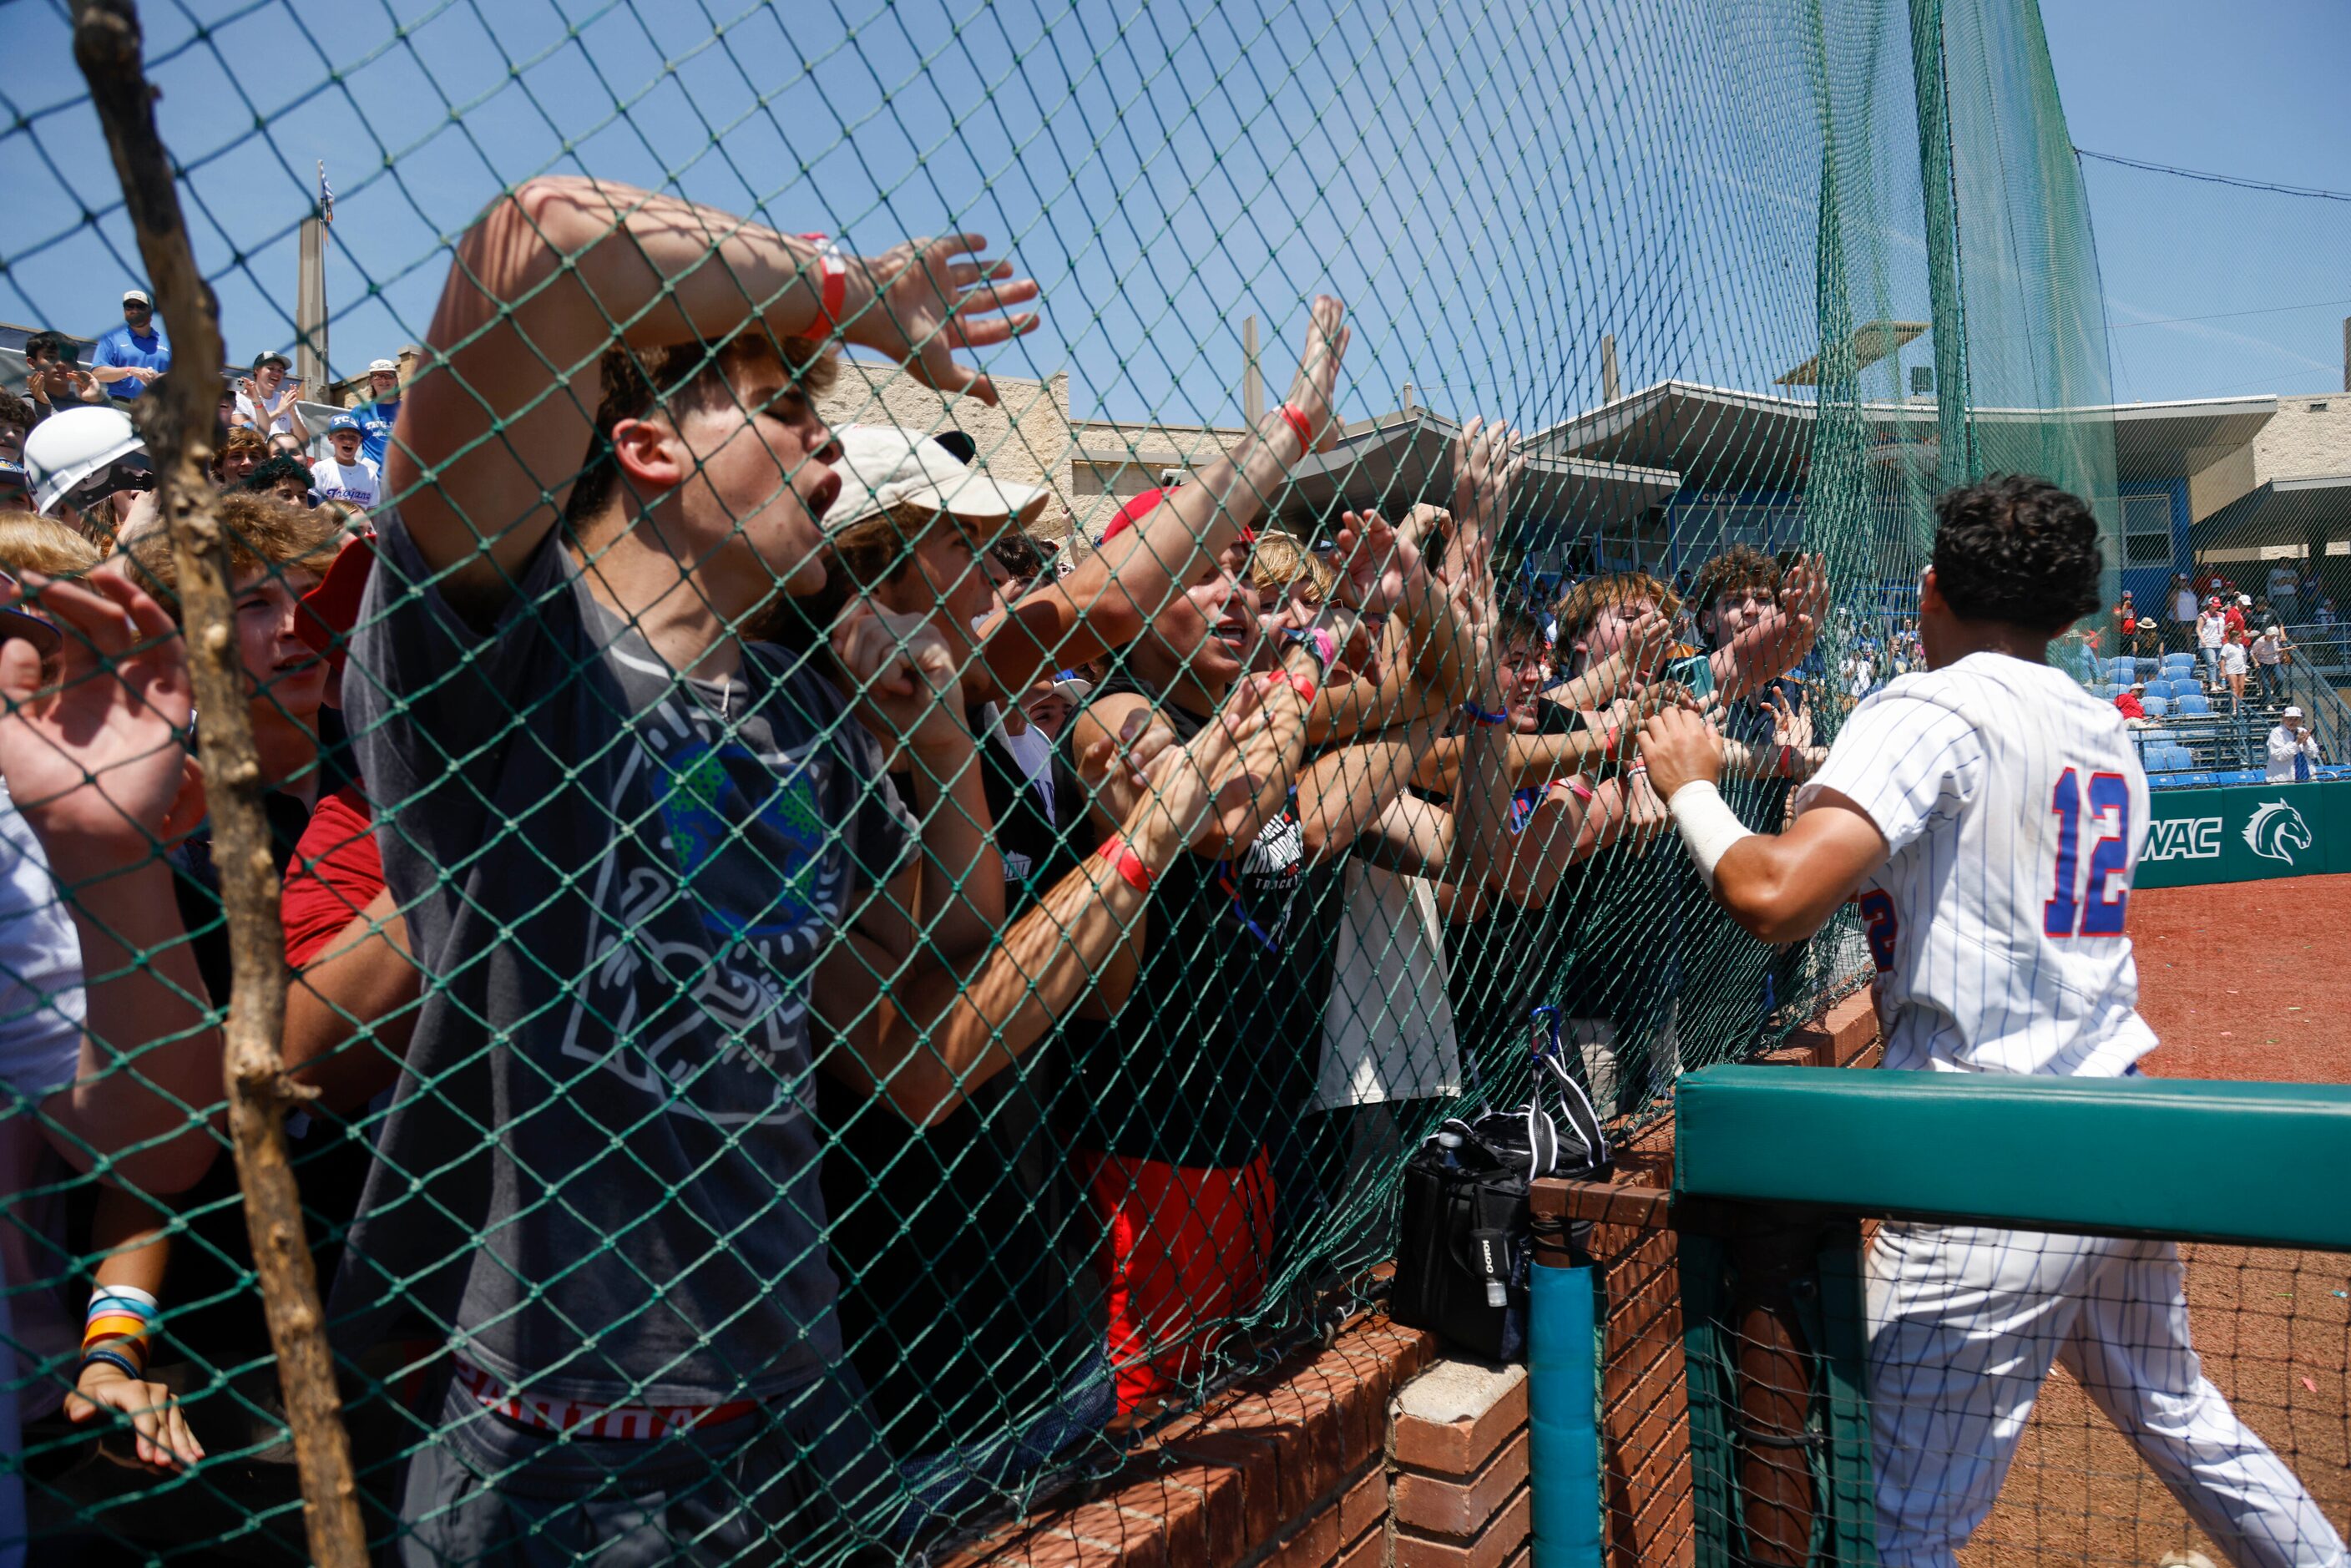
(2016,548)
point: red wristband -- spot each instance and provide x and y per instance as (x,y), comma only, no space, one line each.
(1302,426)
(1122,855)
(832,283)
(1304,687)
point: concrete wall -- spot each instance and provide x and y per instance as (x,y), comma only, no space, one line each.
(1031,438)
(2309,439)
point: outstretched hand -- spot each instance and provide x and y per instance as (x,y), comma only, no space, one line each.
(1679,748)
(928,303)
(1376,565)
(159,1428)
(95,761)
(1314,391)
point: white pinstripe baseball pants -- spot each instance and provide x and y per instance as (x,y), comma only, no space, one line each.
(1964,1322)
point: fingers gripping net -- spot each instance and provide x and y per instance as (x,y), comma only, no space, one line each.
(848,958)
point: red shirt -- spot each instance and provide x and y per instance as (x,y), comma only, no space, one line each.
(2232,621)
(2130,704)
(335,872)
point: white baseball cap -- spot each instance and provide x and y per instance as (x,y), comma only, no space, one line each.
(136,295)
(2291,713)
(375,365)
(885,466)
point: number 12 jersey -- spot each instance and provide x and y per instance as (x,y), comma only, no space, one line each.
(2014,810)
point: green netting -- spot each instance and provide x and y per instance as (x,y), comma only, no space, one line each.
(726,1073)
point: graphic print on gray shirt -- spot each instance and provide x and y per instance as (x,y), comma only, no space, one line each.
(618,882)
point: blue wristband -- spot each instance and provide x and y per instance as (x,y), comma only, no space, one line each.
(1477,714)
(112,1358)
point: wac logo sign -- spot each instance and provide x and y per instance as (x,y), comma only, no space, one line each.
(2275,830)
(2184,839)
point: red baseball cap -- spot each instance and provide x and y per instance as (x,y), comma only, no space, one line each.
(334,604)
(1142,506)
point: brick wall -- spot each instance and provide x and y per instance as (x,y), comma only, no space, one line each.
(1379,1453)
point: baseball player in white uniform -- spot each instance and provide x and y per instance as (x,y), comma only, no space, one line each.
(1987,814)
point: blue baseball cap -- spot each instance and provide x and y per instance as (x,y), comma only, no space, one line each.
(345,421)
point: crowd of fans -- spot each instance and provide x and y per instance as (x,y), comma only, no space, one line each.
(808,988)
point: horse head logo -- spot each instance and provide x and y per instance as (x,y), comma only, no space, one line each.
(2275,830)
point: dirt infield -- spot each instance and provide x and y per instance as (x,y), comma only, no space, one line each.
(2249,981)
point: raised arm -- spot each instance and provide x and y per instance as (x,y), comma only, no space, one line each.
(1778,887)
(1780,636)
(1118,589)
(560,268)
(939,1034)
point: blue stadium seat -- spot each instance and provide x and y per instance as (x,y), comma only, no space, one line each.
(2182,662)
(2169,759)
(2122,669)
(2157,707)
(2195,703)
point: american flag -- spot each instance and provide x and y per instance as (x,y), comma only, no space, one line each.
(325,194)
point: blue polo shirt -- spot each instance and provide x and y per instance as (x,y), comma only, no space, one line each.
(375,428)
(121,347)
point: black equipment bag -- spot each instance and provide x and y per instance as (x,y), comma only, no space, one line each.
(1465,1239)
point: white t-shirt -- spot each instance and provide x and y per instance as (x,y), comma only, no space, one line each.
(282,426)
(2183,604)
(2015,810)
(2232,658)
(356,484)
(2266,650)
(41,1004)
(2211,629)
(1389,1031)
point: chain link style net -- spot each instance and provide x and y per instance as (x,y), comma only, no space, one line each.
(862,933)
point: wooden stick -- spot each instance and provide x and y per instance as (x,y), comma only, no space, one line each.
(179,429)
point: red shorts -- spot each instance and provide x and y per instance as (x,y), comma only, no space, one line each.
(1185,1246)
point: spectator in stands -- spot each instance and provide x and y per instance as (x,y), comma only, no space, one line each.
(701,480)
(2123,620)
(130,356)
(16,490)
(285,478)
(2146,643)
(2292,750)
(266,399)
(346,475)
(2132,703)
(2233,664)
(2211,635)
(2325,614)
(17,419)
(286,444)
(52,379)
(2182,606)
(1014,564)
(2269,651)
(2234,610)
(2284,589)
(380,411)
(241,453)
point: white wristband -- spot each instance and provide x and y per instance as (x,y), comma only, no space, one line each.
(1708,825)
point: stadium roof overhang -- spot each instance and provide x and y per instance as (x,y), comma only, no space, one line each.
(1721,439)
(2280,512)
(2174,440)
(1391,463)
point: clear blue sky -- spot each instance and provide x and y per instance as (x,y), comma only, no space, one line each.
(1482,183)
(2257,90)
